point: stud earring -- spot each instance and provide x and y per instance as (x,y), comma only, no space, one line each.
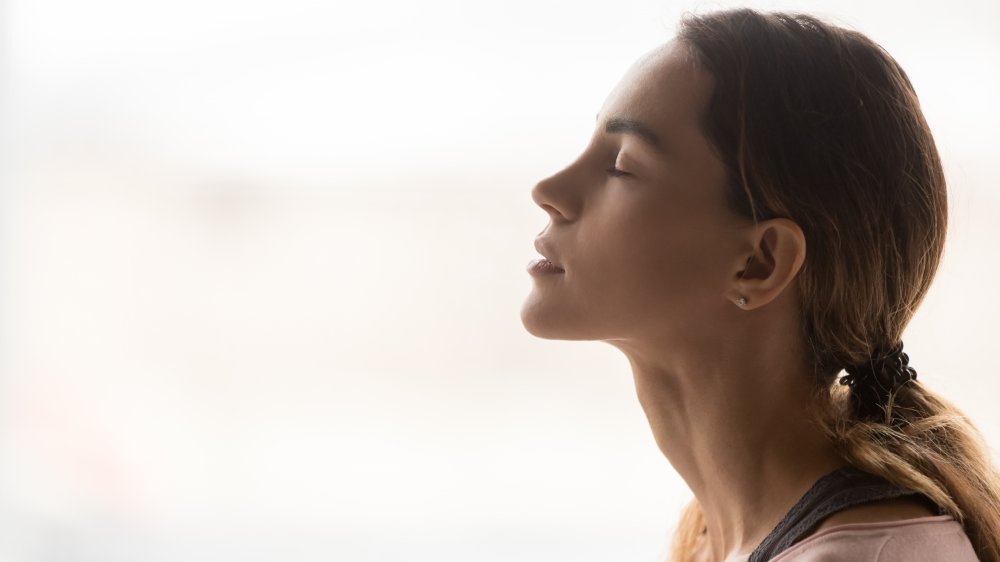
(742,301)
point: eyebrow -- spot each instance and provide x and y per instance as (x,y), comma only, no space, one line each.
(633,127)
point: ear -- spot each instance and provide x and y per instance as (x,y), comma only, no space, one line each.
(777,249)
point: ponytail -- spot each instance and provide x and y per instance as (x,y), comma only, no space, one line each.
(926,444)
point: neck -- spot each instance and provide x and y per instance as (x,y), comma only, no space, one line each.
(735,424)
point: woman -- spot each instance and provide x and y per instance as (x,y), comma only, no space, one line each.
(760,208)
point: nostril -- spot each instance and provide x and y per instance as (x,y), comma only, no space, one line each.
(554,213)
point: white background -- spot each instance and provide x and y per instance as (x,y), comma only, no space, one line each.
(261,265)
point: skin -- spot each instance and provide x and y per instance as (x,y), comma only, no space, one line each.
(654,265)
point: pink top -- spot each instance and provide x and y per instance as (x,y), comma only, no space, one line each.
(922,539)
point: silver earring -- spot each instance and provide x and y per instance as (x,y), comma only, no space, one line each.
(741,301)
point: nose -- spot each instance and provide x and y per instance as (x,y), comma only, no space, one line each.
(556,197)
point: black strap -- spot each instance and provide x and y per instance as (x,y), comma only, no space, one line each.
(845,487)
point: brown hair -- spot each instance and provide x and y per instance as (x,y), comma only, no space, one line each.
(819,124)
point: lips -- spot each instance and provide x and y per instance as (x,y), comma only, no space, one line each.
(544,248)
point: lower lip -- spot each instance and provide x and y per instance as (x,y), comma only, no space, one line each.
(543,267)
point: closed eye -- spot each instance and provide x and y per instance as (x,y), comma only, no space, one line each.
(615,172)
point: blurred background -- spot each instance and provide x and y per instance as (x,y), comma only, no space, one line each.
(261,266)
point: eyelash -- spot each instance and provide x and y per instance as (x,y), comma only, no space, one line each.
(615,172)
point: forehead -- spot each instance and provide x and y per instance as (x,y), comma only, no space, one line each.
(665,89)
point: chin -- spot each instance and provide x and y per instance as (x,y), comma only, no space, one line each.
(549,324)
(539,322)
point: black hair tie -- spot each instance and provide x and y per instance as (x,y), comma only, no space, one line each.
(873,381)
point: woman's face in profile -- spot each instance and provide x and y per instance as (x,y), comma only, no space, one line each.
(638,221)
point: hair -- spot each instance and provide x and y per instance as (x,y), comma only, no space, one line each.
(819,124)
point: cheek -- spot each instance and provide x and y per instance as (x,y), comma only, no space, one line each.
(658,259)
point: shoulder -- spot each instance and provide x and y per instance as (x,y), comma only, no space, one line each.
(932,538)
(878,512)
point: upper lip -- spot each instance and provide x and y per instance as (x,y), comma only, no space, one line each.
(543,247)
